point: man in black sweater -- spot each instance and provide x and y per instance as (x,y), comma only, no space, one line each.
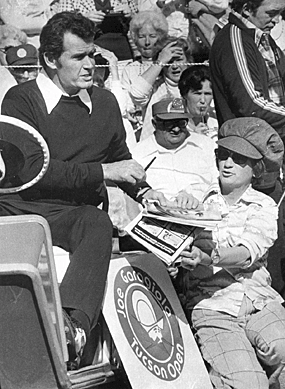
(84,131)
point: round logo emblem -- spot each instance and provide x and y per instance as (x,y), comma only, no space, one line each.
(149,323)
(21,53)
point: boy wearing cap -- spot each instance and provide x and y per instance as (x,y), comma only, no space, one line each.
(238,318)
(26,55)
(184,162)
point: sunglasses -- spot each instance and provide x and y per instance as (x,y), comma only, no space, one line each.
(168,126)
(224,154)
(30,70)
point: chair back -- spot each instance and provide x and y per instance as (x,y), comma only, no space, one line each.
(33,345)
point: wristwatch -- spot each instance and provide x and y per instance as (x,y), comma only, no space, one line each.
(140,192)
(215,256)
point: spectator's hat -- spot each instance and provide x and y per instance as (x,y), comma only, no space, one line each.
(254,138)
(22,55)
(169,109)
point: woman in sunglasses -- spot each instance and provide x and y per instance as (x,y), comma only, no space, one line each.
(237,317)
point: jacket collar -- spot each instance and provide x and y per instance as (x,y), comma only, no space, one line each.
(242,23)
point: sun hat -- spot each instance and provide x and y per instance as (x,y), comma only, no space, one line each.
(254,138)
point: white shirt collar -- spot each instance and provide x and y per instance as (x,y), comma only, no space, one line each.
(190,140)
(52,94)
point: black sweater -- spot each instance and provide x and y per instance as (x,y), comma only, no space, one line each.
(78,142)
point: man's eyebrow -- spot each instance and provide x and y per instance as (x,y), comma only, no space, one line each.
(83,53)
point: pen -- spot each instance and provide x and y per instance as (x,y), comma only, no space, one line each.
(149,164)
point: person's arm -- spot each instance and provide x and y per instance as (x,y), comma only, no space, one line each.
(140,87)
(239,80)
(245,247)
(215,6)
(115,83)
(169,52)
(87,8)
(117,164)
(226,257)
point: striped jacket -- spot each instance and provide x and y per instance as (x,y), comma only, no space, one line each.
(239,76)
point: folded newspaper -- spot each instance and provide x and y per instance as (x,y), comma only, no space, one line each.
(203,216)
(167,231)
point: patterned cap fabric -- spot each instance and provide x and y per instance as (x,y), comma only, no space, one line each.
(169,109)
(254,138)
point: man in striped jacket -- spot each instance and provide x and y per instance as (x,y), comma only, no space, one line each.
(247,67)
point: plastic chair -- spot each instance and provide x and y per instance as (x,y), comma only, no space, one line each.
(33,344)
(32,333)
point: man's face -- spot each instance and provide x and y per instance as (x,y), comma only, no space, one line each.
(75,66)
(170,134)
(267,14)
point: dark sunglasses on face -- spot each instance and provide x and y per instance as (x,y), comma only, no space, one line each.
(224,154)
(168,126)
(30,70)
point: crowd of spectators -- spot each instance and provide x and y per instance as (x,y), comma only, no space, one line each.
(178,71)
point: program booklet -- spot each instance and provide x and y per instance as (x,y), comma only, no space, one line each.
(205,216)
(167,231)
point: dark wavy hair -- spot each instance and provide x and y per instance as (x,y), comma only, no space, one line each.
(251,5)
(192,78)
(52,34)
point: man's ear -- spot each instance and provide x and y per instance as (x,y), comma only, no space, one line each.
(245,11)
(51,62)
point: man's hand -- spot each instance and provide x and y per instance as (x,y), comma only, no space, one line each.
(96,16)
(124,8)
(124,171)
(185,200)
